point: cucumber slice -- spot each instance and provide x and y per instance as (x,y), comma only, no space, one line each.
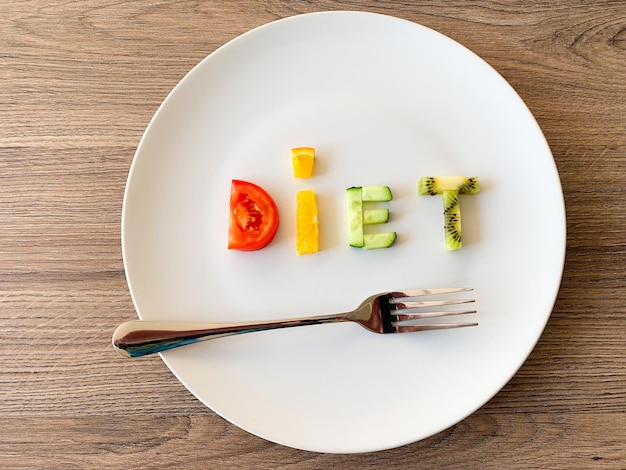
(376,193)
(358,217)
(355,217)
(375,216)
(372,241)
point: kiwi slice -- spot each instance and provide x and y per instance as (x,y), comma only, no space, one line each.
(450,187)
(433,185)
(452,217)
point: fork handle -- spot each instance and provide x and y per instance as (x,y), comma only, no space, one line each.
(142,337)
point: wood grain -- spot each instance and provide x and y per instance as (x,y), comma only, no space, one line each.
(79,82)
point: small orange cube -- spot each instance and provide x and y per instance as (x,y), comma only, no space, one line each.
(303,159)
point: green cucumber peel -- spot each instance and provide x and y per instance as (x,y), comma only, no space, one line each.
(376,194)
(373,241)
(355,217)
(358,217)
(375,216)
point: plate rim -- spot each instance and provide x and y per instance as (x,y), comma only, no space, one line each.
(562,225)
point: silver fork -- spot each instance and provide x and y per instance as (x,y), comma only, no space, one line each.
(380,313)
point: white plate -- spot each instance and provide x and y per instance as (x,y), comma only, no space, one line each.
(384,101)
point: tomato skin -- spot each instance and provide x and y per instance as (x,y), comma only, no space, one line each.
(253,217)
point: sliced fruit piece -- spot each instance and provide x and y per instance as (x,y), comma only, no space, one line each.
(375,216)
(452,217)
(376,194)
(450,187)
(307,225)
(253,221)
(303,159)
(355,216)
(434,185)
(374,241)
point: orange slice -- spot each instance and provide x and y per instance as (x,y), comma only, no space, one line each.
(307,230)
(303,159)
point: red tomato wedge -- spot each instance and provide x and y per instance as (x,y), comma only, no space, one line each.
(253,217)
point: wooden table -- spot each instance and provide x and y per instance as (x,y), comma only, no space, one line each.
(79,82)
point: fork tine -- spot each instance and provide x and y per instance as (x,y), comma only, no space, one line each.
(420,315)
(423,292)
(428,303)
(404,309)
(431,326)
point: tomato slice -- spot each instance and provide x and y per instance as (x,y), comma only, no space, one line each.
(253,217)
